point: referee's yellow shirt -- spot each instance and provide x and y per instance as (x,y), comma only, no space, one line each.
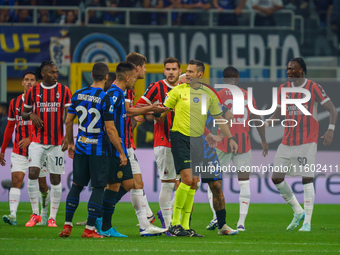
(187,102)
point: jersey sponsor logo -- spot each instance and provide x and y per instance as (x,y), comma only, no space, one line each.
(196,100)
(86,140)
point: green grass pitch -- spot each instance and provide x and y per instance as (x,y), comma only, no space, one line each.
(266,233)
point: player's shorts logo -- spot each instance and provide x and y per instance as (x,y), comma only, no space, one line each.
(196,100)
(120,174)
(98,47)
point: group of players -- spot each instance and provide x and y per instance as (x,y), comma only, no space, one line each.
(104,149)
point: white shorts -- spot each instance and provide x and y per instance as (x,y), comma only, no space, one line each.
(165,163)
(133,161)
(19,163)
(242,161)
(297,160)
(53,155)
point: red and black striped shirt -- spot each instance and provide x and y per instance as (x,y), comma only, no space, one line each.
(129,98)
(22,127)
(157,93)
(307,128)
(49,104)
(240,127)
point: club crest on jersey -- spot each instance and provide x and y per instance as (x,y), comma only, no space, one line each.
(196,100)
(57,95)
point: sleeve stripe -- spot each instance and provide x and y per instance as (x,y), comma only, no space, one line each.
(28,106)
(221,113)
(324,101)
(68,104)
(146,99)
(11,119)
(127,100)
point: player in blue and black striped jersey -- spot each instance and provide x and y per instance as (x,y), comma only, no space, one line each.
(96,130)
(213,177)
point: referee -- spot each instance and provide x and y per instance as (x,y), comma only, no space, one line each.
(187,145)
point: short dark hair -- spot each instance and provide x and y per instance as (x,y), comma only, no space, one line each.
(301,62)
(123,68)
(136,59)
(40,68)
(29,72)
(199,65)
(172,60)
(112,76)
(230,72)
(99,71)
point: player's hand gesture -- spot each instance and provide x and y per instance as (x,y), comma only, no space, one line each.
(2,159)
(24,143)
(328,137)
(70,150)
(36,120)
(139,119)
(233,146)
(123,159)
(158,109)
(265,148)
(64,144)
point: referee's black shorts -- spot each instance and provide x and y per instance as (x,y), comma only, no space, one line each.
(188,152)
(91,167)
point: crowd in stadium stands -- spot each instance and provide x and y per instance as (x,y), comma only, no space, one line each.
(264,10)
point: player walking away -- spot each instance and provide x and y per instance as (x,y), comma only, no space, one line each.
(19,159)
(299,144)
(187,142)
(156,93)
(92,107)
(45,105)
(120,178)
(242,160)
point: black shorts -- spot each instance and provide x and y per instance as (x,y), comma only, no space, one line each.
(188,152)
(210,171)
(119,173)
(91,167)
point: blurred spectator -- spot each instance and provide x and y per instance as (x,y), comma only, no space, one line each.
(145,133)
(70,18)
(172,4)
(23,16)
(151,18)
(300,7)
(26,2)
(4,15)
(113,17)
(323,8)
(61,14)
(94,17)
(265,10)
(335,19)
(191,18)
(46,16)
(226,19)
(3,122)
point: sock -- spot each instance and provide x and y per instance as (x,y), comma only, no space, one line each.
(14,199)
(149,212)
(55,197)
(120,193)
(173,200)
(139,205)
(109,204)
(211,202)
(244,201)
(187,208)
(221,214)
(44,200)
(308,197)
(94,207)
(287,194)
(33,191)
(180,198)
(165,201)
(72,202)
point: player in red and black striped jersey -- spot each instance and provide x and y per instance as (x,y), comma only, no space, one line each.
(156,93)
(46,105)
(19,156)
(297,151)
(240,130)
